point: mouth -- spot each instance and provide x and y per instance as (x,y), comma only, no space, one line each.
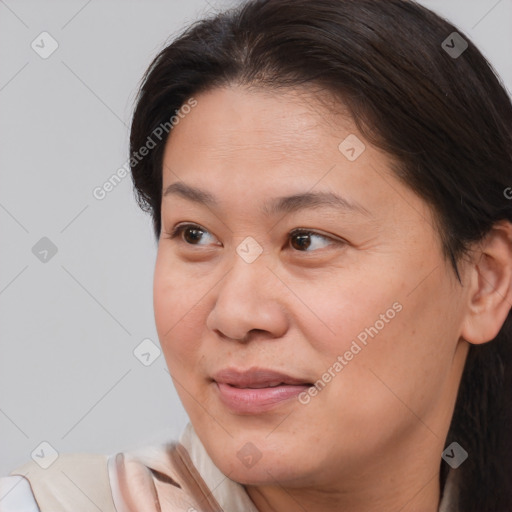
(257,390)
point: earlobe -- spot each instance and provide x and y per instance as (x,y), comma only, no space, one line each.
(489,286)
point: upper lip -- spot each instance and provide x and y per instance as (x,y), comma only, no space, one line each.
(255,377)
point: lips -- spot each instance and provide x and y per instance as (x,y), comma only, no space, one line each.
(257,390)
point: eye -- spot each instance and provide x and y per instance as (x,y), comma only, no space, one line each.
(304,239)
(189,233)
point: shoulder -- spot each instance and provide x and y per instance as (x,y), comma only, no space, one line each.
(76,481)
(152,478)
(16,495)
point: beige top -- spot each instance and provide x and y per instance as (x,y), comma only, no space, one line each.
(174,477)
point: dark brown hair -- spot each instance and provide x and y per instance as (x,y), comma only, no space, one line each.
(445,119)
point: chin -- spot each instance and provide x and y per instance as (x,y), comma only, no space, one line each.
(268,464)
(262,473)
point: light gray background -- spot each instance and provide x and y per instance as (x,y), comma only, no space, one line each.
(69,326)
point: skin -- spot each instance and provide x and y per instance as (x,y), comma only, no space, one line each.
(372,439)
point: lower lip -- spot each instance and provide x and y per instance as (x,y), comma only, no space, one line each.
(254,401)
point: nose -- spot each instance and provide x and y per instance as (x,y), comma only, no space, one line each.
(249,302)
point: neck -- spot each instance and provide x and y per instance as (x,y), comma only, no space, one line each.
(419,492)
(404,476)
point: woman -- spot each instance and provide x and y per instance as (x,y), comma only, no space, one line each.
(329,185)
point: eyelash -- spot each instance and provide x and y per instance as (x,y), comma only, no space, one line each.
(178,230)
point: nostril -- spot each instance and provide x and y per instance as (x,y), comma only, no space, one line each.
(246,336)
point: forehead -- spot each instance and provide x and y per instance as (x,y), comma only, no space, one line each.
(236,122)
(245,147)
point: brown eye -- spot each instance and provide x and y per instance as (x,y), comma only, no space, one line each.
(191,235)
(302,240)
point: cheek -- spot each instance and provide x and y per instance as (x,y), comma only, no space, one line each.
(391,340)
(404,364)
(176,302)
(358,306)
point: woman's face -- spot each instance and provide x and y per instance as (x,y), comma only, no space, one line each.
(250,314)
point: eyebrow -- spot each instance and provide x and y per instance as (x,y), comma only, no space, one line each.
(284,204)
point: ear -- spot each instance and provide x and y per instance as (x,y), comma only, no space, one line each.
(490,286)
